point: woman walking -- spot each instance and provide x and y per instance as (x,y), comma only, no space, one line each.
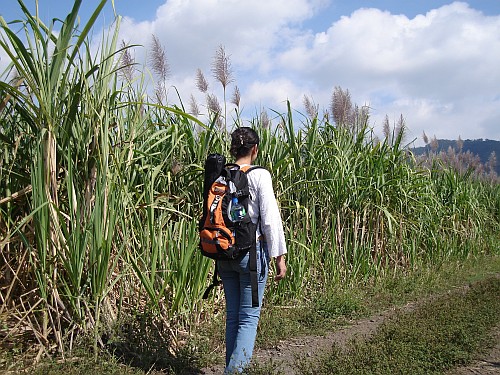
(241,318)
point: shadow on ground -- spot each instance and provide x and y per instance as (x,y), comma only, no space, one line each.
(146,343)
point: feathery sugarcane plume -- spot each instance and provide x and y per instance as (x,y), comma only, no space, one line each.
(341,106)
(434,144)
(213,104)
(425,138)
(127,63)
(358,118)
(326,116)
(236,96)
(265,122)
(492,162)
(386,128)
(215,109)
(201,82)
(193,106)
(460,144)
(364,114)
(397,131)
(158,59)
(221,67)
(400,128)
(311,108)
(160,67)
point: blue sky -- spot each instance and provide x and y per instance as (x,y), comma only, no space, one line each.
(434,62)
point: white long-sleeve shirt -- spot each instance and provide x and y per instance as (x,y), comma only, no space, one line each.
(263,203)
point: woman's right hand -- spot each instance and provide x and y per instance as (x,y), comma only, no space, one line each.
(280,267)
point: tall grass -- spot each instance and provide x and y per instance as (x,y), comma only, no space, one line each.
(100,194)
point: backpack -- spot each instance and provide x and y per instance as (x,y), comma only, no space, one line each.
(221,238)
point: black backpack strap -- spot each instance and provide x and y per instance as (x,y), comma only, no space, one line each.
(255,167)
(253,259)
(214,164)
(232,166)
(215,282)
(253,276)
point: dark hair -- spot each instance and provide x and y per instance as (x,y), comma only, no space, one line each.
(242,141)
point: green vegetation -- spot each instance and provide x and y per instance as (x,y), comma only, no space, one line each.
(100,192)
(439,335)
(140,348)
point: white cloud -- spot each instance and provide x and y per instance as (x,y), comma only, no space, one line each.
(4,61)
(273,94)
(192,30)
(4,57)
(438,69)
(252,36)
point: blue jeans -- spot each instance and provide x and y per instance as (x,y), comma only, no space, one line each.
(241,317)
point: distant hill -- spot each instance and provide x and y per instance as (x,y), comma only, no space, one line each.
(481,147)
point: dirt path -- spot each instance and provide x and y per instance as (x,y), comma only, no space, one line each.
(284,355)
